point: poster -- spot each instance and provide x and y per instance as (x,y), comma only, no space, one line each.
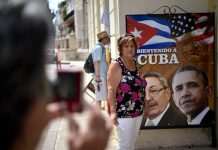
(167,42)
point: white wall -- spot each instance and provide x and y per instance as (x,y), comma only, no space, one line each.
(149,6)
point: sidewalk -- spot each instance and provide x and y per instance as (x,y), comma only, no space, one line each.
(55,135)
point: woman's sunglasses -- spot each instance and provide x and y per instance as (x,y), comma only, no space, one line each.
(126,35)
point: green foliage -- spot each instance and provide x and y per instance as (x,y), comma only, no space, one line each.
(61,4)
(64,11)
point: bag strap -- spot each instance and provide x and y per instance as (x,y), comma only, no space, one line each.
(101,47)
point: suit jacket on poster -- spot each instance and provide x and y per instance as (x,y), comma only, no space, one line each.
(208,118)
(172,117)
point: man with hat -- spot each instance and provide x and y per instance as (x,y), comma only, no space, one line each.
(101,67)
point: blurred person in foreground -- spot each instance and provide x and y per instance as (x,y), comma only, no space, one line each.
(24,112)
(160,111)
(191,92)
(126,92)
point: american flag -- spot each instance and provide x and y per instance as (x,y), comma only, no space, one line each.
(198,26)
(181,24)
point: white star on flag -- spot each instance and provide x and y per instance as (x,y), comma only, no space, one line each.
(137,33)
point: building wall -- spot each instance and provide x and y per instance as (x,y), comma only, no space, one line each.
(94,21)
(81,26)
(70,5)
(117,11)
(72,36)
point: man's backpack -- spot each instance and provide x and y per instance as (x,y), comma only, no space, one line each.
(89,66)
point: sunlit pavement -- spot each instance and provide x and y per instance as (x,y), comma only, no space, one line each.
(73,65)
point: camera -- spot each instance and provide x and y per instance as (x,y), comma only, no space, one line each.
(67,89)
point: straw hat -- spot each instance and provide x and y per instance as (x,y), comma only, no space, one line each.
(102,35)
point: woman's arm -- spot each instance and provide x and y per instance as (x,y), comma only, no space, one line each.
(113,79)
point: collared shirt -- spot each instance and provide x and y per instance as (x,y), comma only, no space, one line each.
(99,54)
(158,118)
(199,117)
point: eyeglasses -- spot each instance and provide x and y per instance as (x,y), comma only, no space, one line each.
(128,34)
(155,92)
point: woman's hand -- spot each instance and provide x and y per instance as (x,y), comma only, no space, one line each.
(114,120)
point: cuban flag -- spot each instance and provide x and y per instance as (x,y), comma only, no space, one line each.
(150,32)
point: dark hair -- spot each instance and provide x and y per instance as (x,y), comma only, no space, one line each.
(199,71)
(100,40)
(23,36)
(123,39)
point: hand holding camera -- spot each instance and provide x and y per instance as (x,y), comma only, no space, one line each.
(67,91)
